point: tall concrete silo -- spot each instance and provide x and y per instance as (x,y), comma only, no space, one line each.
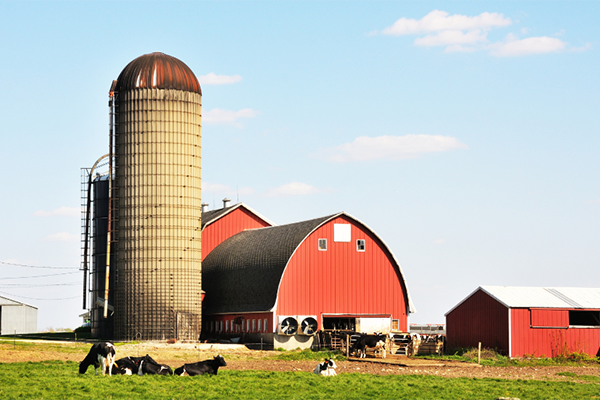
(156,207)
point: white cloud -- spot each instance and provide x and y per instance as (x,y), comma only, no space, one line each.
(214,79)
(585,47)
(293,189)
(59,212)
(227,117)
(452,37)
(62,237)
(366,148)
(513,47)
(437,21)
(466,34)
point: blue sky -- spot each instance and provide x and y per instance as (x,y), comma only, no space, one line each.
(465,134)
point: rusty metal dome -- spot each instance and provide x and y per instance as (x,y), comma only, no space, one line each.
(160,71)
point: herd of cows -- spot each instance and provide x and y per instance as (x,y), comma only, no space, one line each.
(102,355)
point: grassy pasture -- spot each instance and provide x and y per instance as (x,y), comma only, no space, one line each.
(60,380)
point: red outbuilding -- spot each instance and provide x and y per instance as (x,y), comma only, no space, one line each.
(527,321)
(220,224)
(281,284)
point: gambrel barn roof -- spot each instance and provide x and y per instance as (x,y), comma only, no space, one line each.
(244,272)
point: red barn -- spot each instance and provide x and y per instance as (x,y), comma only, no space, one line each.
(527,321)
(221,224)
(282,283)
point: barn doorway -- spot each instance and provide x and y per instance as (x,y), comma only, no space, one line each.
(339,323)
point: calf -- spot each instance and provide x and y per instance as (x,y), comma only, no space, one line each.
(210,367)
(100,355)
(148,366)
(326,368)
(371,341)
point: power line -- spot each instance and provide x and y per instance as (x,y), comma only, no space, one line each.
(36,298)
(40,276)
(35,266)
(28,285)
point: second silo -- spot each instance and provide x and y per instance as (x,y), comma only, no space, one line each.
(157,204)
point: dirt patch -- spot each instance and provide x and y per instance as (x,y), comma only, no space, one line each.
(240,358)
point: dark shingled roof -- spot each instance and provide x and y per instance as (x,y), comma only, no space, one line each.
(242,274)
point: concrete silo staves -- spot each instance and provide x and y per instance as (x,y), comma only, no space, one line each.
(155,136)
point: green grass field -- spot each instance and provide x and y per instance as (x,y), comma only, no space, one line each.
(60,380)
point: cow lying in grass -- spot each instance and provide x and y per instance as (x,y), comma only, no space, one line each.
(126,366)
(100,355)
(148,366)
(210,367)
(326,368)
(141,366)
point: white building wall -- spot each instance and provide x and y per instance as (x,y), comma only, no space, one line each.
(18,318)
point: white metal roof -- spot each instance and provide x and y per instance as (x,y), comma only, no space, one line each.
(5,301)
(541,297)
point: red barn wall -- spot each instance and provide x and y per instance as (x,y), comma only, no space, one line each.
(480,318)
(217,324)
(342,280)
(222,229)
(546,332)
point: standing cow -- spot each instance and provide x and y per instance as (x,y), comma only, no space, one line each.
(369,341)
(100,355)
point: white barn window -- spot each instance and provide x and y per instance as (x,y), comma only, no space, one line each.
(341,232)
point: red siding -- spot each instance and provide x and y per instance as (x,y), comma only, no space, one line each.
(549,318)
(341,279)
(230,224)
(216,319)
(546,341)
(479,318)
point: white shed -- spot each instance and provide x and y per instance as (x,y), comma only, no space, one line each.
(17,317)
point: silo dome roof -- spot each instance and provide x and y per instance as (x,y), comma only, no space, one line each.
(160,71)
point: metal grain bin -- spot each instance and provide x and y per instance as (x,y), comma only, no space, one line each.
(157,204)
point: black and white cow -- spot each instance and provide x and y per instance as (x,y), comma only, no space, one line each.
(148,366)
(372,341)
(126,366)
(100,355)
(326,368)
(210,367)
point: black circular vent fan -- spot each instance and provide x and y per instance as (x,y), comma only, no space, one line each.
(288,326)
(309,326)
